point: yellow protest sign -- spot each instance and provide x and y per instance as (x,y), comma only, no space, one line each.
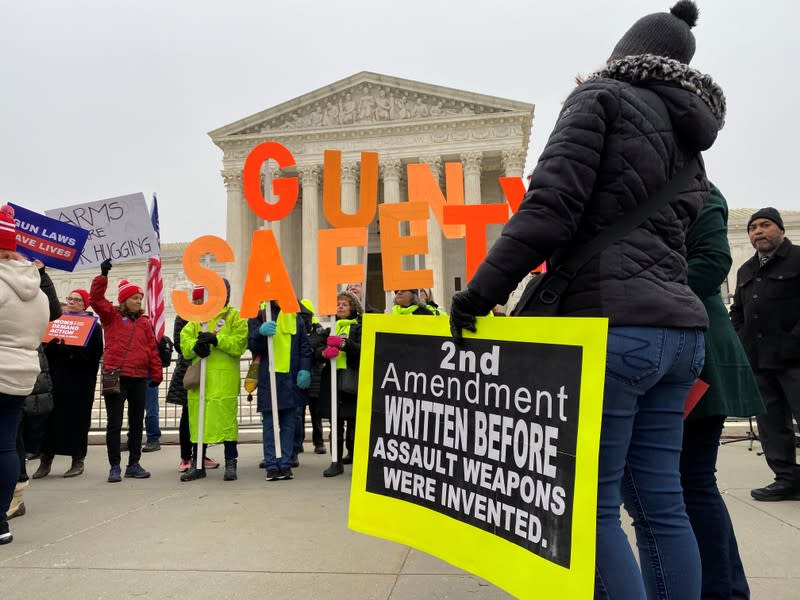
(484,454)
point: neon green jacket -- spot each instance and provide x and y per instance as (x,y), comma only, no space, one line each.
(223,376)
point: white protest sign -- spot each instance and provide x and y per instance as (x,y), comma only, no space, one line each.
(119,229)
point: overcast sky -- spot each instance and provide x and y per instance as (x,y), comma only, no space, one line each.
(102,97)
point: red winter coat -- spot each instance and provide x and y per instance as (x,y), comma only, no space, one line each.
(142,358)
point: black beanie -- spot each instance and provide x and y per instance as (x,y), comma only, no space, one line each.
(662,34)
(767,213)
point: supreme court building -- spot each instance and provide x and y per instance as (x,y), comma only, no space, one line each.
(405,122)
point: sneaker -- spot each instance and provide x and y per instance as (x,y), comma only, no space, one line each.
(193,474)
(210,463)
(286,474)
(262,464)
(152,446)
(273,474)
(114,474)
(348,460)
(32,455)
(137,472)
(294,462)
(184,466)
(319,449)
(5,534)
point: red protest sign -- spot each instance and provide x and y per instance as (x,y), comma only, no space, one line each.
(75,330)
(695,394)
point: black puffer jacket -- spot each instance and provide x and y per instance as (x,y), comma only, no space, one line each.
(766,309)
(620,137)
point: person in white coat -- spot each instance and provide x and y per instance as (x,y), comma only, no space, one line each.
(24,313)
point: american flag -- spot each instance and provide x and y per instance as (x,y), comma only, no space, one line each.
(155,285)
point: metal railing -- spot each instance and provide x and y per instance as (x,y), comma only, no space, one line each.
(169,415)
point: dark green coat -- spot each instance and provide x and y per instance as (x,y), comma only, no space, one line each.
(733,390)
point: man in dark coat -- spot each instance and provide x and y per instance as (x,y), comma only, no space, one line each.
(766,315)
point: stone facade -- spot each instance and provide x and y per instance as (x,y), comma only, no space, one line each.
(136,272)
(405,122)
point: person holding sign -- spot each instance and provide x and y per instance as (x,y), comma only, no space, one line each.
(343,350)
(292,364)
(74,373)
(23,320)
(408,302)
(222,348)
(130,348)
(622,136)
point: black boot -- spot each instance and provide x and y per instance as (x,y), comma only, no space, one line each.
(76,468)
(45,464)
(230,470)
(335,469)
(193,473)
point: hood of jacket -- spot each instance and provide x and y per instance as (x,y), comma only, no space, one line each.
(22,277)
(695,103)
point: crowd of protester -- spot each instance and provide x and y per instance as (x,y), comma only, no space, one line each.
(658,285)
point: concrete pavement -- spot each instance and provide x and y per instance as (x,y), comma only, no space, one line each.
(84,538)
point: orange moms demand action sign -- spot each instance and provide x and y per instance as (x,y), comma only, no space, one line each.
(75,330)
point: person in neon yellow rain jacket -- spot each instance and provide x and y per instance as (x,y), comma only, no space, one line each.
(222,346)
(408,302)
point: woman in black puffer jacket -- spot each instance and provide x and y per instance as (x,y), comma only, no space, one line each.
(621,136)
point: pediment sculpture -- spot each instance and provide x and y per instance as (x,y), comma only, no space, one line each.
(367,104)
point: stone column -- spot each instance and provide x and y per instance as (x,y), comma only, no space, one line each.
(309,179)
(514,162)
(275,226)
(434,259)
(391,171)
(514,166)
(472,176)
(233,230)
(350,206)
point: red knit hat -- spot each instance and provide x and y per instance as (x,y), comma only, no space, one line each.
(8,230)
(198,292)
(127,289)
(83,294)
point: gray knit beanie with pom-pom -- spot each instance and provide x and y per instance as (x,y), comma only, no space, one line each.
(663,34)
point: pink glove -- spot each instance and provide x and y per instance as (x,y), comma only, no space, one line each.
(337,341)
(330,353)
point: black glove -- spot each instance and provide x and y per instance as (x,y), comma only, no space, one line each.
(105,267)
(465,306)
(202,350)
(207,337)
(54,342)
(153,384)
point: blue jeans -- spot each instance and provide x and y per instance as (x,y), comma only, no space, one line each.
(10,413)
(286,420)
(723,573)
(151,414)
(649,372)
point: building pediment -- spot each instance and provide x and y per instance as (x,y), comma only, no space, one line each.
(369,100)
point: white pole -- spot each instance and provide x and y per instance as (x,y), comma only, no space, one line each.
(272,385)
(201,411)
(334,402)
